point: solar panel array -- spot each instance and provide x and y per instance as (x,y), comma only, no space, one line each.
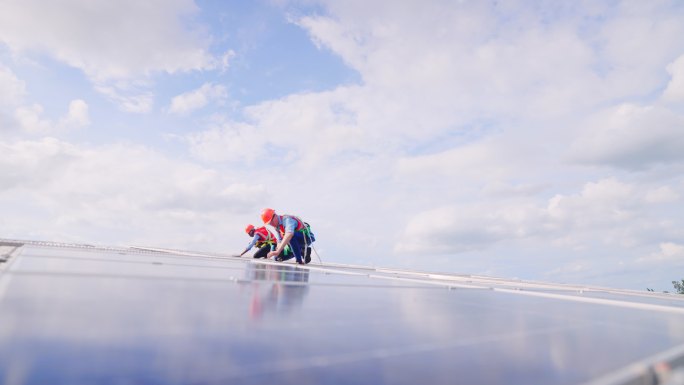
(85,314)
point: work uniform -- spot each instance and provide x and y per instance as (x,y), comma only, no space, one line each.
(300,241)
(264,240)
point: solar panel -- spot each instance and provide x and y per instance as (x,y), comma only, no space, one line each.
(83,314)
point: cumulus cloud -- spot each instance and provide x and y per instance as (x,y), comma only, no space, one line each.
(190,101)
(675,88)
(669,252)
(607,200)
(464,61)
(611,212)
(113,44)
(13,89)
(28,164)
(307,129)
(475,77)
(228,142)
(635,50)
(119,192)
(431,71)
(459,228)
(663,194)
(636,137)
(607,211)
(78,115)
(318,125)
(631,137)
(226,59)
(30,118)
(492,158)
(110,41)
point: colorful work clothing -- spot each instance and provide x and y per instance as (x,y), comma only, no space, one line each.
(264,240)
(292,224)
(302,237)
(265,237)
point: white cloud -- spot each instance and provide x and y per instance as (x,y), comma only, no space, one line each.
(675,89)
(316,125)
(78,114)
(226,59)
(464,60)
(13,89)
(127,97)
(114,44)
(108,41)
(599,212)
(669,252)
(613,213)
(635,49)
(502,190)
(492,158)
(434,70)
(30,118)
(29,164)
(122,193)
(570,268)
(229,142)
(663,194)
(459,228)
(307,129)
(194,100)
(607,212)
(631,137)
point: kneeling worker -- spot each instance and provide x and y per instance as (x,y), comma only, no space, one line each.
(292,232)
(261,238)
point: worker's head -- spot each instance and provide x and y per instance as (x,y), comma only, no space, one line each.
(249,230)
(267,216)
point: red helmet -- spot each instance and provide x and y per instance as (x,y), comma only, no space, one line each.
(249,229)
(267,215)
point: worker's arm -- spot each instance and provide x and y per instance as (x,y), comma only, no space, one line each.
(281,245)
(251,244)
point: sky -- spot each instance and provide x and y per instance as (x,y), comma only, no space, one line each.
(537,140)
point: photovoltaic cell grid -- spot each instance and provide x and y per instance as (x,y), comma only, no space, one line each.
(84,314)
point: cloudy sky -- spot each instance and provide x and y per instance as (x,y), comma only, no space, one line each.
(535,140)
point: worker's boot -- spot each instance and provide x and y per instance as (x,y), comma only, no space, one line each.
(307,255)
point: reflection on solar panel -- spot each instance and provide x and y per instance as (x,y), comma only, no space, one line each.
(82,314)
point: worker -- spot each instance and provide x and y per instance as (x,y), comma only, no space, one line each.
(292,232)
(261,238)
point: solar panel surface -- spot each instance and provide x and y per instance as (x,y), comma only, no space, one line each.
(79,314)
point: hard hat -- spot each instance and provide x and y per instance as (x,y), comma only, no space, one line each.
(267,215)
(249,229)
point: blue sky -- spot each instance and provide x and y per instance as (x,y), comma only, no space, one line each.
(537,140)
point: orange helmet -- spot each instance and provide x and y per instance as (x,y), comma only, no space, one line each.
(267,215)
(249,229)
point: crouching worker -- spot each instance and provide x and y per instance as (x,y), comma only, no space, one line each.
(293,233)
(261,238)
